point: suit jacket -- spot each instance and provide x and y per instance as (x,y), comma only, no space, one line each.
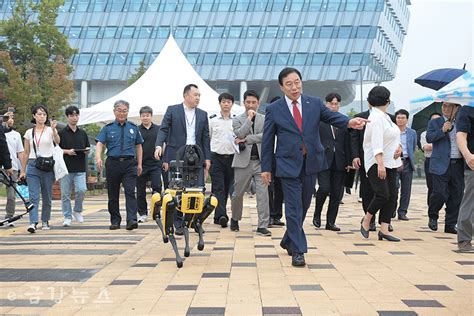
(341,144)
(243,129)
(289,148)
(5,159)
(173,132)
(411,146)
(441,154)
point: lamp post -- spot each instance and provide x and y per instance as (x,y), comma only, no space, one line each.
(359,70)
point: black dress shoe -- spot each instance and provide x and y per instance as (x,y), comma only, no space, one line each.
(402,217)
(297,260)
(332,227)
(223,221)
(372,227)
(433,224)
(317,222)
(277,222)
(131,225)
(234,225)
(364,232)
(179,231)
(390,228)
(288,250)
(388,237)
(114,226)
(450,229)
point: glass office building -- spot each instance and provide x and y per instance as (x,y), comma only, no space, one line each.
(235,44)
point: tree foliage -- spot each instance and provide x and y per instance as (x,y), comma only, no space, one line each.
(352,113)
(138,73)
(34,59)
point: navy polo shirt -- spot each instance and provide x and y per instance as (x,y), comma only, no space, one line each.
(465,123)
(120,139)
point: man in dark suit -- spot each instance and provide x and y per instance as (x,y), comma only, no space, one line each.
(446,168)
(299,154)
(336,143)
(184,124)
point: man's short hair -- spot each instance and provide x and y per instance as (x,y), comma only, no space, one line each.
(275,98)
(378,96)
(333,95)
(225,96)
(72,109)
(189,87)
(285,72)
(121,102)
(251,93)
(433,114)
(402,112)
(146,109)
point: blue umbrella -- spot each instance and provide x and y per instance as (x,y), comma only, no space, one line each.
(438,78)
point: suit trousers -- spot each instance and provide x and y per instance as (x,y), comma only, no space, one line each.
(242,178)
(331,182)
(466,211)
(404,181)
(385,194)
(429,179)
(125,173)
(366,191)
(275,197)
(448,189)
(298,193)
(222,176)
(152,174)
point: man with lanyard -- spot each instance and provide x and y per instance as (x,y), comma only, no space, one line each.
(151,166)
(222,153)
(124,163)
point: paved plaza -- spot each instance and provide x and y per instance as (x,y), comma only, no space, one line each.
(88,270)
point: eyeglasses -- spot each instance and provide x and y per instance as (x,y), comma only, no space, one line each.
(290,84)
(121,111)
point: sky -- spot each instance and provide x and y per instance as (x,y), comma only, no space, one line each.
(440,35)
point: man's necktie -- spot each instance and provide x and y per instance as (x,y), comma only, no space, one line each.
(297,116)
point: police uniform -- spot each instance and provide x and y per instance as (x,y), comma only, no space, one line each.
(222,153)
(121,166)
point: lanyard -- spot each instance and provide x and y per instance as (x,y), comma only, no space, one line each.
(39,139)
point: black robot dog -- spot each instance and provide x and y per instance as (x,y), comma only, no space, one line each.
(184,195)
(8,181)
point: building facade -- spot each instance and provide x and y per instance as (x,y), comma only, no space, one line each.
(235,44)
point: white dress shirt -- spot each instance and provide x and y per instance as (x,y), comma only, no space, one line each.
(289,102)
(190,120)
(423,142)
(381,136)
(222,135)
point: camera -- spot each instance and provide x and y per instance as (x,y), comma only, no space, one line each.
(184,171)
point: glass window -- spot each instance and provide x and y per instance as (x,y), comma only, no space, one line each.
(315,5)
(92,31)
(333,5)
(235,31)
(282,59)
(110,31)
(120,59)
(206,5)
(242,5)
(224,5)
(337,59)
(252,31)
(137,58)
(199,32)
(289,32)
(307,32)
(188,6)
(217,32)
(261,5)
(318,59)
(371,5)
(192,58)
(363,32)
(153,5)
(270,31)
(152,58)
(297,5)
(99,5)
(209,59)
(227,58)
(82,5)
(162,32)
(279,5)
(180,31)
(344,32)
(145,32)
(168,6)
(75,31)
(127,32)
(102,59)
(352,5)
(300,59)
(264,58)
(117,5)
(326,31)
(66,6)
(84,59)
(245,59)
(135,5)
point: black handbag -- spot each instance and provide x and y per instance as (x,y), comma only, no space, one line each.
(42,163)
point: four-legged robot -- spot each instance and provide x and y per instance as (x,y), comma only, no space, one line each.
(184,195)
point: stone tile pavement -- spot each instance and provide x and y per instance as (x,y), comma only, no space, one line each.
(88,270)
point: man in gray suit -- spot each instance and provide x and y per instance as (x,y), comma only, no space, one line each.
(248,127)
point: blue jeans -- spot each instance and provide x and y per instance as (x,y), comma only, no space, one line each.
(80,188)
(39,182)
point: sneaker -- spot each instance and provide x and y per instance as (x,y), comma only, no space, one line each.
(142,218)
(465,246)
(78,217)
(67,222)
(263,232)
(45,226)
(11,224)
(32,228)
(234,225)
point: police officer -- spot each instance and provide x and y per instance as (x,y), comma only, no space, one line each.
(124,163)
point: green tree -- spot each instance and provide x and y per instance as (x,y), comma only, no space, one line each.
(34,59)
(138,73)
(352,112)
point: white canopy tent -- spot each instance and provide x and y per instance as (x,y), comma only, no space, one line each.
(160,86)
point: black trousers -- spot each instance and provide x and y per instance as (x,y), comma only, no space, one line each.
(448,189)
(366,191)
(330,183)
(152,174)
(222,176)
(121,173)
(385,194)
(429,180)
(275,198)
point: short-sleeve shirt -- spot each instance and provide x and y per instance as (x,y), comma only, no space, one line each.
(44,142)
(15,146)
(149,139)
(465,124)
(120,139)
(74,140)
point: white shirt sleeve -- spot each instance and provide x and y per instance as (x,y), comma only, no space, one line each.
(377,136)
